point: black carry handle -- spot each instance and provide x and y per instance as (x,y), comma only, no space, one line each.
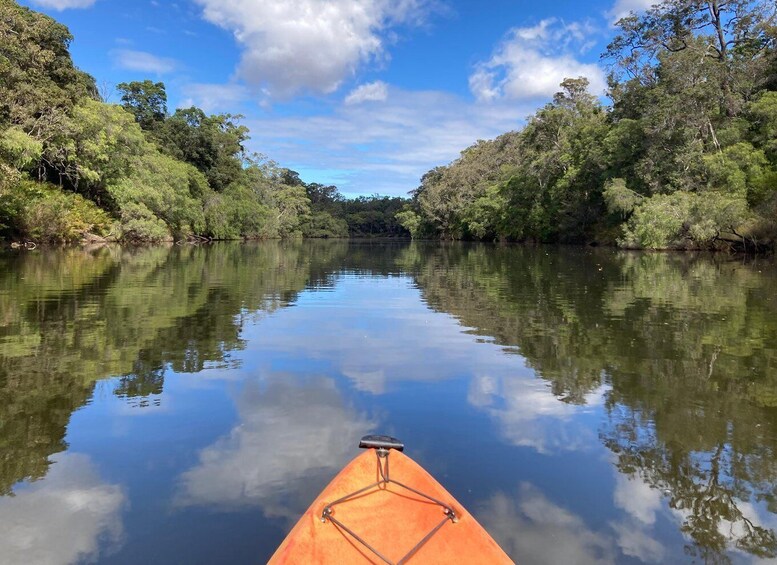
(381,442)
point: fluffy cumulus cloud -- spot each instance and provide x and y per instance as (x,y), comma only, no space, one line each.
(142,61)
(65,518)
(532,61)
(309,45)
(60,5)
(371,92)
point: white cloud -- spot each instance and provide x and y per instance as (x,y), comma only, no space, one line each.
(383,148)
(642,503)
(406,341)
(530,415)
(623,8)
(289,441)
(634,541)
(143,62)
(309,44)
(532,529)
(371,92)
(63,518)
(60,5)
(636,497)
(532,61)
(214,97)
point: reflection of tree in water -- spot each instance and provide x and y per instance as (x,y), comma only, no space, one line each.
(687,344)
(70,318)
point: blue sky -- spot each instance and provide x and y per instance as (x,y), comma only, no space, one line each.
(364,94)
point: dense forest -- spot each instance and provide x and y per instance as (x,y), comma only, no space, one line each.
(684,156)
(73,167)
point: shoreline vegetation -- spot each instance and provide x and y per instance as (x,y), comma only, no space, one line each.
(75,168)
(683,157)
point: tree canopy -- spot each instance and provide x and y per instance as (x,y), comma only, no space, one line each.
(683,156)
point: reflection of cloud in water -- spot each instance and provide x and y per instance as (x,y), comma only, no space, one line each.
(735,531)
(634,541)
(644,504)
(637,498)
(529,414)
(534,530)
(291,439)
(382,335)
(373,382)
(62,518)
(402,340)
(641,502)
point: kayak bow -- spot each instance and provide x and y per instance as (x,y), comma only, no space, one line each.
(385,508)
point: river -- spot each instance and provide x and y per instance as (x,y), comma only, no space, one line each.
(186,404)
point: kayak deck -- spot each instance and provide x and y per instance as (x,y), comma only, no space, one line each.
(410,518)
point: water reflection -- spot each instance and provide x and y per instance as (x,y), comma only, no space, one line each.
(529,414)
(70,318)
(290,438)
(525,523)
(62,519)
(644,384)
(687,346)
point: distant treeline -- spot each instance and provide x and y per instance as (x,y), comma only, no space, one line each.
(75,167)
(684,157)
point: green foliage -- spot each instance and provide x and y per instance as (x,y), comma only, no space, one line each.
(63,217)
(168,190)
(410,220)
(38,82)
(291,210)
(213,144)
(158,177)
(236,213)
(485,217)
(140,224)
(763,115)
(686,155)
(322,224)
(683,219)
(146,100)
(44,213)
(620,199)
(99,146)
(19,149)
(373,216)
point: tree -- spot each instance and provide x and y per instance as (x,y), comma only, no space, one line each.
(38,82)
(733,33)
(213,144)
(146,100)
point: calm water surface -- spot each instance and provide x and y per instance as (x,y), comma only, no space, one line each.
(186,404)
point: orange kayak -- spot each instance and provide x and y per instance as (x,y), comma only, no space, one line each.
(385,508)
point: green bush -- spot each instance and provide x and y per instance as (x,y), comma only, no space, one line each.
(322,224)
(237,213)
(62,216)
(19,149)
(683,220)
(138,223)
